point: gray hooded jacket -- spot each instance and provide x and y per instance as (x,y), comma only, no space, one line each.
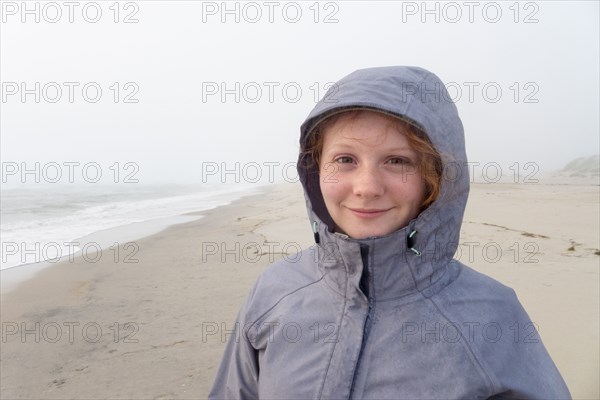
(393,317)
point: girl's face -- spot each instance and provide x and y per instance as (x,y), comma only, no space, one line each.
(369,176)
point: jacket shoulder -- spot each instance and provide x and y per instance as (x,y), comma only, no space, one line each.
(474,284)
(501,336)
(480,300)
(283,278)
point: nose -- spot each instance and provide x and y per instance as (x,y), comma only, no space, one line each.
(368,182)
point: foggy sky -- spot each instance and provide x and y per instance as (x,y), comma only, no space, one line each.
(525,81)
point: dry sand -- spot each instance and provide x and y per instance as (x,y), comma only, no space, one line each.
(155,328)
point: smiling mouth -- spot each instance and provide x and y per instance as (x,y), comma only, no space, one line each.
(368,213)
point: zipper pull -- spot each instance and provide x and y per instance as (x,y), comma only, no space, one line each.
(410,242)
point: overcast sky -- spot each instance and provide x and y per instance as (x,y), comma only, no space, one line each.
(525,77)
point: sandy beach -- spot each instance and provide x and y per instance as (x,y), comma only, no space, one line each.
(149,320)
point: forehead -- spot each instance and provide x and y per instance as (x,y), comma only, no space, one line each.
(368,127)
(363,117)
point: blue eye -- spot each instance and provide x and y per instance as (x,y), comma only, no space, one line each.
(344,160)
(399,161)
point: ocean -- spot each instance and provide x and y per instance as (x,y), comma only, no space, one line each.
(43,222)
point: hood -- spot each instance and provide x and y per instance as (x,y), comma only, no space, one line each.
(418,96)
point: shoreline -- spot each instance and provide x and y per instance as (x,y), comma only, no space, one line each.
(157,328)
(105,239)
(56,232)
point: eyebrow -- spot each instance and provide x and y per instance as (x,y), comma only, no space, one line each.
(337,146)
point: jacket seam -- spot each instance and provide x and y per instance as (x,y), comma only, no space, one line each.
(491,384)
(411,102)
(283,297)
(420,291)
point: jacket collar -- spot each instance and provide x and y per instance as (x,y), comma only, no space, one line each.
(394,270)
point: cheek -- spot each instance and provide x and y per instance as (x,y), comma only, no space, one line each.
(330,191)
(332,187)
(328,173)
(418,189)
(411,189)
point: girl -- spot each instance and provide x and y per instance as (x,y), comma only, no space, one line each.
(378,308)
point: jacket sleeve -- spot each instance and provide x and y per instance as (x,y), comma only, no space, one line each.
(237,376)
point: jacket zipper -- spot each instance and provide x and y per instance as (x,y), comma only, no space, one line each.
(366,330)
